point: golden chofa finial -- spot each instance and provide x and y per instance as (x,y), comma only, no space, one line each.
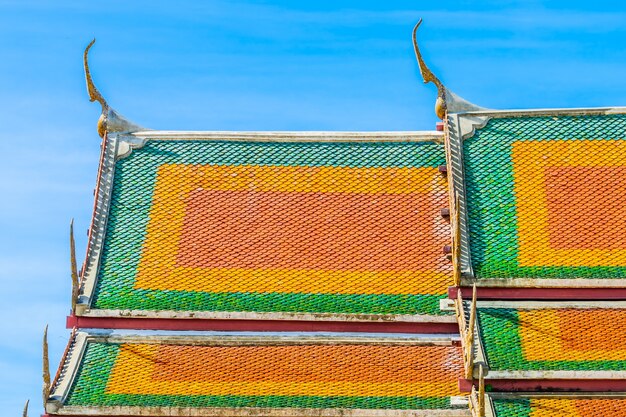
(110,120)
(94,94)
(428,76)
(447,101)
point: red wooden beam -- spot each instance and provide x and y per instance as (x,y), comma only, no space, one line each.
(554,385)
(498,293)
(258,325)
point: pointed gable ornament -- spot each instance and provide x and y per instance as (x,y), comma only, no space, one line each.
(110,120)
(74,268)
(447,101)
(46,367)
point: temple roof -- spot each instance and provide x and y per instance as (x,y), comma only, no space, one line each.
(267,374)
(548,340)
(542,196)
(348,227)
(556,405)
(333,225)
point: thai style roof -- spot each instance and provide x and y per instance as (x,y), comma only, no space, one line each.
(358,231)
(551,340)
(556,405)
(215,225)
(542,196)
(117,373)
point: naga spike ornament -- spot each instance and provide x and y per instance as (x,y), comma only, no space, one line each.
(73,267)
(46,367)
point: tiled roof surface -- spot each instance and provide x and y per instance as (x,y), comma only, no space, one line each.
(560,407)
(346,228)
(546,197)
(337,375)
(553,339)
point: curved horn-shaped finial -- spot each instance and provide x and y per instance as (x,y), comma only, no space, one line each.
(25,412)
(94,94)
(46,367)
(110,120)
(447,101)
(428,76)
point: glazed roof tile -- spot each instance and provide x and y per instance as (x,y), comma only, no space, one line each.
(543,196)
(520,340)
(337,226)
(263,375)
(348,226)
(558,405)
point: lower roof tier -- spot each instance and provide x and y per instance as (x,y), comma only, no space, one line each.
(556,405)
(295,374)
(520,340)
(338,228)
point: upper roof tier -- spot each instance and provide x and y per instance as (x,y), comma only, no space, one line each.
(542,195)
(268,225)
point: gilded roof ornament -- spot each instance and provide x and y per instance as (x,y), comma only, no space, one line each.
(46,367)
(481,391)
(110,120)
(94,93)
(447,101)
(74,268)
(429,77)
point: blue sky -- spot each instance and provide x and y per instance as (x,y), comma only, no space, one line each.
(245,65)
